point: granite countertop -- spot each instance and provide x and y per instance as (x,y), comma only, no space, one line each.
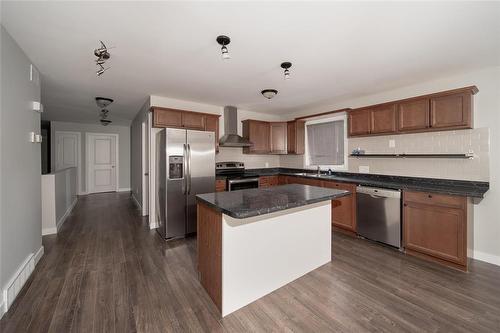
(259,201)
(474,189)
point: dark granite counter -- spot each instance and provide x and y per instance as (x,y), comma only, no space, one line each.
(474,189)
(259,201)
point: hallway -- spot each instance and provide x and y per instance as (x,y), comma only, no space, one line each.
(106,272)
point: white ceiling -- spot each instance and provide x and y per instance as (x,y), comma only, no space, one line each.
(337,49)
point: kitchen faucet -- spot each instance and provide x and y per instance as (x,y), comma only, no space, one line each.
(319,170)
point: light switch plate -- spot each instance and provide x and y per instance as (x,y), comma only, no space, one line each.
(392,143)
(364,169)
(32,136)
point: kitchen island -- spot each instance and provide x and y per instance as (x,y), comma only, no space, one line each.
(251,242)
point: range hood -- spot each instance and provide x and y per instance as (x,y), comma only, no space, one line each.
(231,137)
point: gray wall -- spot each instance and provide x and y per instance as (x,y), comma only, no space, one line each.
(136,152)
(123,149)
(20,166)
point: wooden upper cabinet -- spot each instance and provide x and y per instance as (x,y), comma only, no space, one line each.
(296,137)
(257,132)
(383,119)
(212,125)
(167,118)
(278,135)
(193,120)
(414,115)
(453,111)
(359,122)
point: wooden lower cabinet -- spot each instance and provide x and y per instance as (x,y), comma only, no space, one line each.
(266,181)
(220,185)
(344,208)
(435,227)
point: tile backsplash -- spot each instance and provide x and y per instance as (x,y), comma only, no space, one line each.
(461,141)
(251,161)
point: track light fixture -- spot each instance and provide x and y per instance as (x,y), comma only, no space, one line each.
(286,66)
(269,93)
(102,55)
(224,40)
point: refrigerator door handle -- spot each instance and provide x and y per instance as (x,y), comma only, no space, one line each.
(184,170)
(189,169)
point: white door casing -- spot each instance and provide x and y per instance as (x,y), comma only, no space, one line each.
(102,162)
(145,166)
(68,154)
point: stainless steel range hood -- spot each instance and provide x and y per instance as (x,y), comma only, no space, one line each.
(231,137)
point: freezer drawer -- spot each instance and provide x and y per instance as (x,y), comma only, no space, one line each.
(379,214)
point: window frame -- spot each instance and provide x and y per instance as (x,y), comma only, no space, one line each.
(339,167)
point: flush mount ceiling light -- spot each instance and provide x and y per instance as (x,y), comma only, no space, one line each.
(224,40)
(105,122)
(269,93)
(103,102)
(286,66)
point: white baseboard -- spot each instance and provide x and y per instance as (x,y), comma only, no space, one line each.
(153,226)
(2,308)
(49,231)
(489,258)
(16,283)
(66,214)
(124,189)
(137,202)
(52,231)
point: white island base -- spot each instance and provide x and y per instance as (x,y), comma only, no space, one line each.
(260,254)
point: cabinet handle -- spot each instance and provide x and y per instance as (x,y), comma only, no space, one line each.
(430,196)
(405,205)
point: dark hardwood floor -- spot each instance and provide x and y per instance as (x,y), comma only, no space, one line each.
(106,272)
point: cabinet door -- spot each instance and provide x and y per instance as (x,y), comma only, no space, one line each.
(193,120)
(167,118)
(344,208)
(258,133)
(413,115)
(212,125)
(282,180)
(359,122)
(220,185)
(278,133)
(436,231)
(383,119)
(452,111)
(295,137)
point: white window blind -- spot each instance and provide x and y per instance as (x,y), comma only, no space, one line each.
(325,143)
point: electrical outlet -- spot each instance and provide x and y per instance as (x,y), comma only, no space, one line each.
(267,164)
(364,169)
(392,143)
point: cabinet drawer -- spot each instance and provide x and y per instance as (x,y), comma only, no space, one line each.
(340,186)
(435,199)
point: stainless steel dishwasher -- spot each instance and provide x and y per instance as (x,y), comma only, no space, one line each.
(379,214)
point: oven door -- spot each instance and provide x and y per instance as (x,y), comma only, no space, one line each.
(241,184)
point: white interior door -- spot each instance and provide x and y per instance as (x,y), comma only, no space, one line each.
(102,163)
(66,150)
(67,153)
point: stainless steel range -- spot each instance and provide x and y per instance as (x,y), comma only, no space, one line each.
(236,176)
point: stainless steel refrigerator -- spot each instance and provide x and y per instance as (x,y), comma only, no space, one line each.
(185,166)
